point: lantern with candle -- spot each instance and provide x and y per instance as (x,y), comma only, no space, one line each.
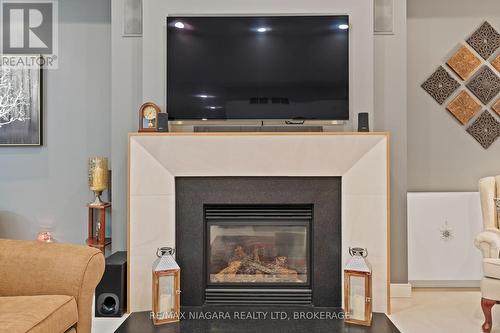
(166,287)
(358,288)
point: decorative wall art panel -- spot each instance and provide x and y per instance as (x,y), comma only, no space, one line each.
(485,40)
(496,63)
(464,62)
(482,82)
(440,85)
(20,107)
(496,107)
(464,107)
(445,222)
(485,129)
(485,84)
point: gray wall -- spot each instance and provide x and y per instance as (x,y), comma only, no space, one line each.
(441,155)
(390,115)
(47,186)
(126,94)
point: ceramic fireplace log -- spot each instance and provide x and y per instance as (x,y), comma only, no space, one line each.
(275,268)
(233,268)
(252,266)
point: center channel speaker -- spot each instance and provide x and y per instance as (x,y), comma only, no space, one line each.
(111,292)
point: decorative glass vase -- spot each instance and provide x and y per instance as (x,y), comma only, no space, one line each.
(98,178)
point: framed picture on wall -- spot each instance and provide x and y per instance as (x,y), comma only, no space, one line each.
(21,106)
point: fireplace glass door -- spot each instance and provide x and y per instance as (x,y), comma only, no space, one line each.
(258,246)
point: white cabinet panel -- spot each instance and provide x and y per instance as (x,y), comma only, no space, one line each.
(434,260)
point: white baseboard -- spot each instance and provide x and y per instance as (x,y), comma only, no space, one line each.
(446,284)
(400,290)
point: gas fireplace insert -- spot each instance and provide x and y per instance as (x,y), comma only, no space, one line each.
(254,241)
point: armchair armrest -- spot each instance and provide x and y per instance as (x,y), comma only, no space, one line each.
(33,268)
(488,242)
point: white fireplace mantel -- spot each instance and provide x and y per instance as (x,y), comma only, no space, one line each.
(155,159)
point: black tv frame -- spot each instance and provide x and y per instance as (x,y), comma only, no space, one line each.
(261,121)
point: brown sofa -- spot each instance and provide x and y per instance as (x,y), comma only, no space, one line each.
(47,287)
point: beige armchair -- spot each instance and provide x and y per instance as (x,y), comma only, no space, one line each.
(47,287)
(488,241)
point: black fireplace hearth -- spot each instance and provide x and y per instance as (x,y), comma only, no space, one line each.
(250,241)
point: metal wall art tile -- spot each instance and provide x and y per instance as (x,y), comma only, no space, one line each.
(496,107)
(464,62)
(485,129)
(496,63)
(485,84)
(464,107)
(440,85)
(485,40)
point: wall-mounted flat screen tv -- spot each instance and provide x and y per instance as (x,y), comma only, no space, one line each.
(258,67)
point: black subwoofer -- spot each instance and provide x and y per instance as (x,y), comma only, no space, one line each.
(111,292)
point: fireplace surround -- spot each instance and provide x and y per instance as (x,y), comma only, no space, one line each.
(259,240)
(157,159)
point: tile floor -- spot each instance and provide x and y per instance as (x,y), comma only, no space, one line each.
(441,311)
(107,325)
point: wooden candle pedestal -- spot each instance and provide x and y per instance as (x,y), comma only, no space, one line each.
(97,231)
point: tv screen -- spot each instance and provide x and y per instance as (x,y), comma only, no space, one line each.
(269,67)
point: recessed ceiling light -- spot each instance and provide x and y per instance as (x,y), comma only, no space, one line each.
(343,26)
(203,96)
(179,25)
(204,119)
(263,29)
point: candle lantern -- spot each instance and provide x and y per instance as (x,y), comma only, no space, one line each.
(166,287)
(358,288)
